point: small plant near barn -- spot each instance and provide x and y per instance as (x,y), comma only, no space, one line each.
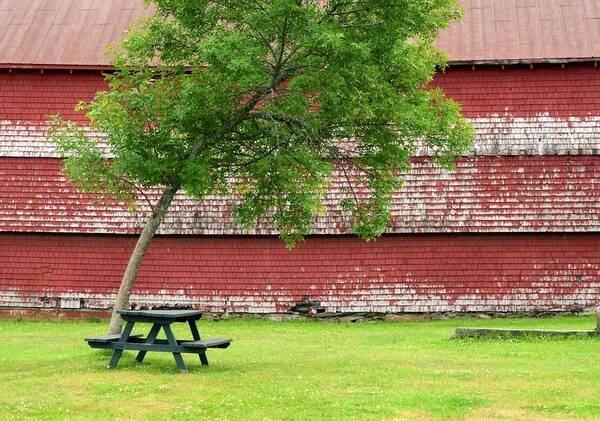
(265,102)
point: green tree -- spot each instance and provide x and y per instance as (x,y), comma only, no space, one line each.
(267,100)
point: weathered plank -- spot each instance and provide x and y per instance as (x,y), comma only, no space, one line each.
(507,333)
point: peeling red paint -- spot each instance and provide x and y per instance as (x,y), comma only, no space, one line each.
(483,194)
(535,168)
(398,273)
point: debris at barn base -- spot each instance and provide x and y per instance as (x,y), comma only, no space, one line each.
(308,307)
(53,314)
(323,316)
(491,333)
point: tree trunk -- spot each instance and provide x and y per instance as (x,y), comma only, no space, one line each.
(135,261)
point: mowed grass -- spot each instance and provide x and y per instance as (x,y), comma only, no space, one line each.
(306,370)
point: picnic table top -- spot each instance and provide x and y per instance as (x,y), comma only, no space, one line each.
(149,315)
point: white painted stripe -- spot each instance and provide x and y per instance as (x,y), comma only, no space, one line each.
(498,135)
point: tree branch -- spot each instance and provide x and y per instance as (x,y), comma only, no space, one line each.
(283,118)
(139,190)
(237,116)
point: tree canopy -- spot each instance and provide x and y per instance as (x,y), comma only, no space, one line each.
(267,101)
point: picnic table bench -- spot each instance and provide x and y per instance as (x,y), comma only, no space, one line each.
(160,319)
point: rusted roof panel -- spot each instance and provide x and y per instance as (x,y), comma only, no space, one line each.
(76,32)
(63,32)
(524,30)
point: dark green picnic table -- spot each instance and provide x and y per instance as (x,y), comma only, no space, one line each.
(160,319)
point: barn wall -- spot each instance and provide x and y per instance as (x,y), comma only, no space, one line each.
(534,168)
(398,273)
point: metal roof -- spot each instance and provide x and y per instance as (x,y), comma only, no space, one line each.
(74,33)
(63,33)
(524,31)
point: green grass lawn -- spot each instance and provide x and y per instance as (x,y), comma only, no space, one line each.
(306,370)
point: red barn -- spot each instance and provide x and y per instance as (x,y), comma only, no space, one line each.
(513,229)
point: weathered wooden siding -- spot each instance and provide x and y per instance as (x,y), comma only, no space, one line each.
(397,273)
(483,194)
(514,228)
(546,110)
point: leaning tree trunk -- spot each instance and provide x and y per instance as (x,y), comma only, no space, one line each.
(135,261)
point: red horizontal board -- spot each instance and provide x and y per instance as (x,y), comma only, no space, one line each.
(507,273)
(29,97)
(573,91)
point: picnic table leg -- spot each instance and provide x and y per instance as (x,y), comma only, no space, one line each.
(173,342)
(194,329)
(124,338)
(149,340)
(196,336)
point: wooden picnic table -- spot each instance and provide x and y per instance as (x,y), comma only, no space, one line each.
(160,319)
